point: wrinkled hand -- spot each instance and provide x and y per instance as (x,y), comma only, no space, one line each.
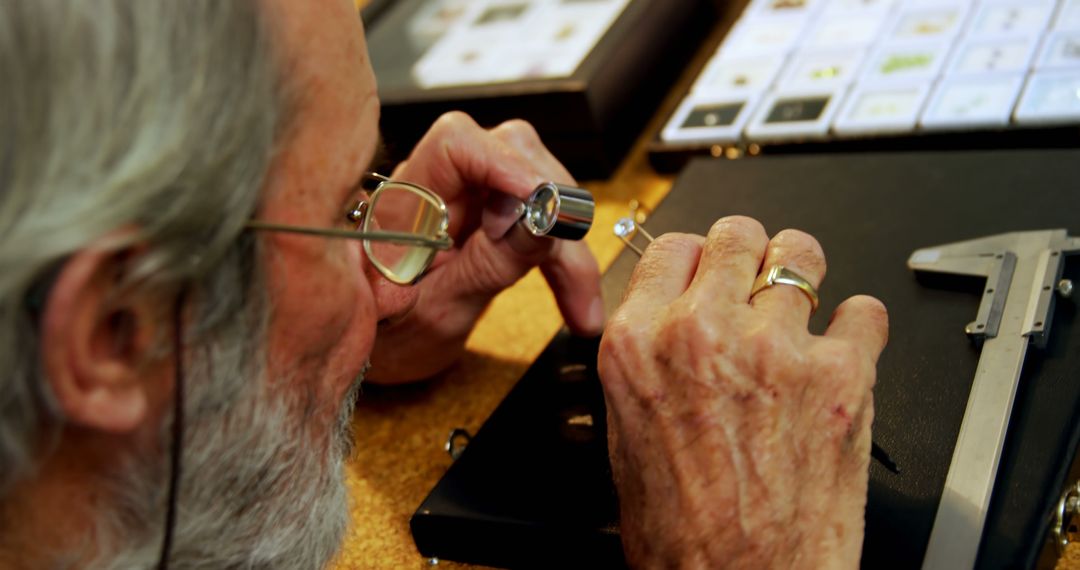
(737,438)
(482,175)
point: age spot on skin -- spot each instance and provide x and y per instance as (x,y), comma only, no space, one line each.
(840,412)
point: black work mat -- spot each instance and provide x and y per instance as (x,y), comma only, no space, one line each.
(533,488)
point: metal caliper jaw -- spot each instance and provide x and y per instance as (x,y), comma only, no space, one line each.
(1023,272)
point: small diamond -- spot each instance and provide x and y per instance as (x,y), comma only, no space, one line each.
(625,227)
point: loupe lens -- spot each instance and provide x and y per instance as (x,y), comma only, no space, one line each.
(543,209)
(559,211)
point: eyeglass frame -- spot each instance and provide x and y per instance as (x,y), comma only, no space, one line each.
(357,214)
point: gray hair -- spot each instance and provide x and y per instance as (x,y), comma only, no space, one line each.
(154,115)
(257,489)
(162,115)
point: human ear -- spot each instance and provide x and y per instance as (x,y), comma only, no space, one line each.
(96,342)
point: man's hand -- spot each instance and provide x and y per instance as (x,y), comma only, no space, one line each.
(483,175)
(737,438)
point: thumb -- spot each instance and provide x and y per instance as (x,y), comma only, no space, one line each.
(574,277)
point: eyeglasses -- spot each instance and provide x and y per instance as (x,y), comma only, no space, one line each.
(401,225)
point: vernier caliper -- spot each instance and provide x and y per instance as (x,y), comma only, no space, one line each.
(1023,273)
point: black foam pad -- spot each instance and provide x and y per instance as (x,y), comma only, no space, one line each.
(531,492)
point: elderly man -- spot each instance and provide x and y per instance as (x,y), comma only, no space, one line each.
(182,358)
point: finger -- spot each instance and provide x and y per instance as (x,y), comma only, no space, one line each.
(665,270)
(486,267)
(456,154)
(522,136)
(798,252)
(863,321)
(574,278)
(571,269)
(862,439)
(463,163)
(502,209)
(730,260)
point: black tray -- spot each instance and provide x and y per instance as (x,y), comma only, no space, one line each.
(672,156)
(667,156)
(588,120)
(532,491)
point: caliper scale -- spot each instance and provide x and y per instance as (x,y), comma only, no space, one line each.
(1023,274)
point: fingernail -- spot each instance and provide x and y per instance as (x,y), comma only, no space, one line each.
(499,216)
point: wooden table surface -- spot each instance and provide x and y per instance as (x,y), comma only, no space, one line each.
(400,431)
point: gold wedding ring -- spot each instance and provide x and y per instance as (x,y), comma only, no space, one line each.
(780,275)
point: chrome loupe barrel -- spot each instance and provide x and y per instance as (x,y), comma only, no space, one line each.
(559,211)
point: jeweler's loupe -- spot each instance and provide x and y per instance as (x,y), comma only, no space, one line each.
(558,211)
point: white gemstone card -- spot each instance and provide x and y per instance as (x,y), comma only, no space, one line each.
(993,55)
(763,36)
(794,115)
(1068,16)
(879,109)
(434,19)
(851,7)
(969,102)
(511,40)
(709,119)
(845,30)
(785,7)
(905,5)
(735,76)
(460,60)
(1061,50)
(1051,97)
(929,23)
(811,70)
(1015,17)
(906,62)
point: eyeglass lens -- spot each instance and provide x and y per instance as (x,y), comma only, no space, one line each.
(400,208)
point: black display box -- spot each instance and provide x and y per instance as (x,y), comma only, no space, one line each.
(374,9)
(534,490)
(668,156)
(589,120)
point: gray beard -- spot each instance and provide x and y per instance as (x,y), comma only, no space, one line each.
(260,488)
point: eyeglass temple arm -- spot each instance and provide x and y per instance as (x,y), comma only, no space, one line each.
(442,243)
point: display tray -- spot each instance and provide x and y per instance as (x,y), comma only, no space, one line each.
(533,488)
(586,73)
(840,75)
